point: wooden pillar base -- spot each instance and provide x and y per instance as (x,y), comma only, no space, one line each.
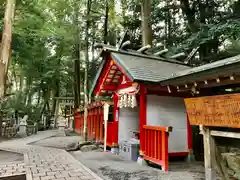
(209,153)
(210,174)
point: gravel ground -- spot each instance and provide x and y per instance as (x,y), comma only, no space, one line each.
(112,167)
(100,163)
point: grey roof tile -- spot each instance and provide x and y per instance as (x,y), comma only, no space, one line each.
(218,64)
(147,69)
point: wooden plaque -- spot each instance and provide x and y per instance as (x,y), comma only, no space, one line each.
(222,110)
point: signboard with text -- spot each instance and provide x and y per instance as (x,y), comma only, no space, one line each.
(221,110)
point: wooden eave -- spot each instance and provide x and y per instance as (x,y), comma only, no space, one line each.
(109,79)
(228,74)
(206,75)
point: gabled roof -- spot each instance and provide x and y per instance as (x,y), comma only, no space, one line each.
(148,69)
(215,69)
(139,67)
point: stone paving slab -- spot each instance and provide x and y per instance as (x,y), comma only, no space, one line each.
(42,163)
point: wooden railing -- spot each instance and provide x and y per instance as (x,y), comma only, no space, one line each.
(9,131)
(155,145)
(77,123)
(110,129)
(95,124)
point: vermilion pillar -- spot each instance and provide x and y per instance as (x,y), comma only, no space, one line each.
(189,129)
(143,115)
(116,118)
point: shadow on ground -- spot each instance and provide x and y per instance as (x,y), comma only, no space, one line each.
(112,167)
(7,157)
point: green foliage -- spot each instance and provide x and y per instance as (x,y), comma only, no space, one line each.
(46,35)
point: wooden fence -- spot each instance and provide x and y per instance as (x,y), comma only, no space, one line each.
(32,129)
(9,131)
(95,124)
(155,145)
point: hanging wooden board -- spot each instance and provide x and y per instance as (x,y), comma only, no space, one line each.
(222,110)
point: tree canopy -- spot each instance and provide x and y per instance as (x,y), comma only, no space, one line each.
(49,41)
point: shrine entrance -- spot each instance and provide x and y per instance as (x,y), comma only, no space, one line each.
(129,113)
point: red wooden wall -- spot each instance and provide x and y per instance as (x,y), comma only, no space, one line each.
(95,125)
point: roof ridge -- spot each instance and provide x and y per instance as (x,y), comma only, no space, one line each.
(151,57)
(139,54)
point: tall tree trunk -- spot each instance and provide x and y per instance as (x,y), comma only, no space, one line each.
(93,63)
(86,69)
(106,23)
(190,15)
(77,76)
(147,35)
(56,92)
(5,49)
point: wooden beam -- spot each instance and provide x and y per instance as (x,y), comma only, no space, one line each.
(207,83)
(109,87)
(103,76)
(212,156)
(225,134)
(209,154)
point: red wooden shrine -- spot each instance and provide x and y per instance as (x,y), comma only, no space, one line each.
(131,79)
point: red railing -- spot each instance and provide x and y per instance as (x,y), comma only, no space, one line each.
(110,129)
(95,128)
(155,145)
(77,123)
(95,125)
(81,124)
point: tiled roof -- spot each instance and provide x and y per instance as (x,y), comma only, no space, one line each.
(141,67)
(232,61)
(147,69)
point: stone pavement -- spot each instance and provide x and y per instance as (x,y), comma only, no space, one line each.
(43,163)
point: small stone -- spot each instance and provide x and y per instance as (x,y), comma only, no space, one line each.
(237,175)
(87,148)
(234,150)
(233,160)
(72,147)
(230,172)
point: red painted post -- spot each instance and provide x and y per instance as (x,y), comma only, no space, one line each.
(101,125)
(189,130)
(88,122)
(143,117)
(97,123)
(90,118)
(116,118)
(80,123)
(165,151)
